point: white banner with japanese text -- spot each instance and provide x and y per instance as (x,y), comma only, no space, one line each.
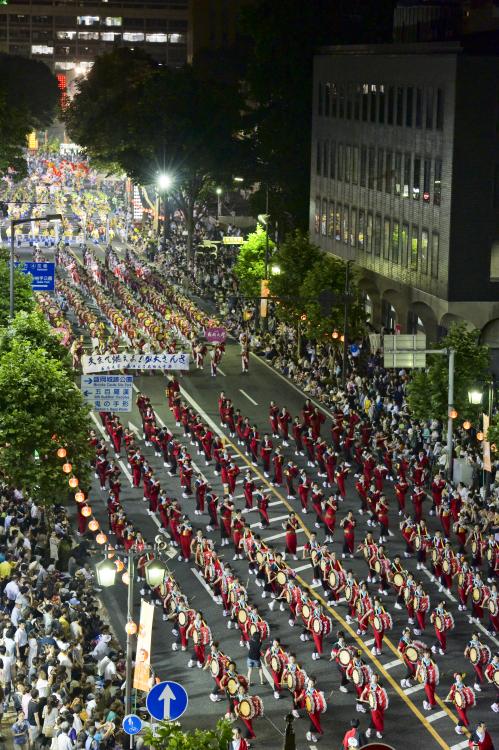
(134,361)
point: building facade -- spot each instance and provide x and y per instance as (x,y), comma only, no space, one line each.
(69,34)
(405,180)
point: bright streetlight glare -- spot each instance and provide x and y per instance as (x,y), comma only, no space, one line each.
(165,181)
(275,270)
(475,397)
(105,572)
(219,191)
(238,179)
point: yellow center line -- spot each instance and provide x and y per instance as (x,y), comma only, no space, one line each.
(394,684)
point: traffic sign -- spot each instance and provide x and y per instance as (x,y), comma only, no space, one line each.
(132,724)
(43,275)
(167,701)
(108,392)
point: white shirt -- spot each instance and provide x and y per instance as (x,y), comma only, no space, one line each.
(11,591)
(63,742)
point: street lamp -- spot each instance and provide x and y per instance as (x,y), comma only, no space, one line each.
(475,397)
(165,182)
(14,223)
(155,573)
(275,270)
(219,201)
(105,571)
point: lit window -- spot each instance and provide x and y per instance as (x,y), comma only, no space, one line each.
(369,232)
(112,21)
(176,38)
(404,244)
(87,20)
(377,235)
(324,218)
(414,247)
(353,226)
(337,223)
(66,34)
(416,178)
(386,239)
(160,38)
(435,241)
(395,242)
(331,219)
(63,65)
(424,250)
(88,35)
(360,235)
(133,36)
(109,36)
(41,49)
(317,217)
(346,211)
(437,183)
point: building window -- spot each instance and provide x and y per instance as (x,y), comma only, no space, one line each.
(381,105)
(414,247)
(346,211)
(379,170)
(440,109)
(426,180)
(348,163)
(386,239)
(133,36)
(353,226)
(157,37)
(395,242)
(113,21)
(88,35)
(429,108)
(377,235)
(341,96)
(355,165)
(404,244)
(318,156)
(389,172)
(339,174)
(363,165)
(319,99)
(337,223)
(332,161)
(373,104)
(330,227)
(317,217)
(400,105)
(327,99)
(349,100)
(408,106)
(416,178)
(391,101)
(398,173)
(109,36)
(424,250)
(334,100)
(419,108)
(365,101)
(369,232)
(371,168)
(324,218)
(361,229)
(176,38)
(435,248)
(66,34)
(356,103)
(87,20)
(437,182)
(407,176)
(325,159)
(41,49)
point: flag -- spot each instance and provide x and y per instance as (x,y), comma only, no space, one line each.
(142,673)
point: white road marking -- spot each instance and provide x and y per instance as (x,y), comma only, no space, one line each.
(100,427)
(126,472)
(276,502)
(135,388)
(369,642)
(460,745)
(248,397)
(302,567)
(434,580)
(279,536)
(134,429)
(414,689)
(204,584)
(435,717)
(392,664)
(219,369)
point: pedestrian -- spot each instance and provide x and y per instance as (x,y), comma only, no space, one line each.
(20,731)
(254,656)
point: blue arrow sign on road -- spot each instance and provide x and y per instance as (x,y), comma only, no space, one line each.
(167,701)
(132,724)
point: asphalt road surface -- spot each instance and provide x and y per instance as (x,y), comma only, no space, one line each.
(407,724)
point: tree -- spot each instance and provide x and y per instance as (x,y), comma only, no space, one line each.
(168,735)
(250,264)
(427,390)
(149,119)
(493,433)
(33,328)
(295,257)
(40,410)
(28,100)
(328,274)
(23,295)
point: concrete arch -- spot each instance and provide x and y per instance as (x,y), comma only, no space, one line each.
(420,311)
(372,301)
(449,318)
(490,334)
(394,308)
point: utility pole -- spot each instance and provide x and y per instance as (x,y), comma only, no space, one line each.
(345,323)
(450,407)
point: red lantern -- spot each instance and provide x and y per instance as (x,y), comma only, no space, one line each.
(61,452)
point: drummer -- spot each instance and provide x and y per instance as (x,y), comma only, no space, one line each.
(479,655)
(428,675)
(276,658)
(492,676)
(315,705)
(442,622)
(242,695)
(342,655)
(409,652)
(463,698)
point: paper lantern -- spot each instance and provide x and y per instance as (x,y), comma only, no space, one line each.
(303,317)
(479,436)
(86,511)
(80,496)
(466,424)
(131,628)
(111,552)
(61,452)
(73,482)
(453,414)
(93,525)
(342,338)
(335,334)
(101,538)
(125,578)
(119,565)
(67,468)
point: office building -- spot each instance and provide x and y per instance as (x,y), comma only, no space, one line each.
(213,25)
(405,180)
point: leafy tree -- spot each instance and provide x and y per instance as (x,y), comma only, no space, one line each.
(493,433)
(328,274)
(427,391)
(250,264)
(33,328)
(24,298)
(150,119)
(168,735)
(295,257)
(40,409)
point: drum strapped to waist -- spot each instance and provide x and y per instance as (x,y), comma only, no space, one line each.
(460,580)
(418,543)
(281,578)
(412,653)
(477,595)
(495,677)
(435,555)
(344,656)
(305,611)
(377,567)
(250,707)
(474,546)
(260,558)
(242,616)
(492,607)
(317,625)
(398,579)
(232,685)
(276,663)
(348,592)
(183,619)
(372,701)
(490,554)
(446,566)
(334,579)
(358,676)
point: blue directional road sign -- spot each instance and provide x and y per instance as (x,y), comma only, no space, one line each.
(167,701)
(108,392)
(43,275)
(132,724)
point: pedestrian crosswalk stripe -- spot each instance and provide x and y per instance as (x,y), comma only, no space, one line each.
(413,689)
(392,664)
(435,717)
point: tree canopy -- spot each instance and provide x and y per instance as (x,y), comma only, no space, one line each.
(250,264)
(23,296)
(295,256)
(33,328)
(168,735)
(427,390)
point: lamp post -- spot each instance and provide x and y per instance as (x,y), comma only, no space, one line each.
(219,201)
(475,398)
(14,223)
(345,322)
(105,572)
(165,181)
